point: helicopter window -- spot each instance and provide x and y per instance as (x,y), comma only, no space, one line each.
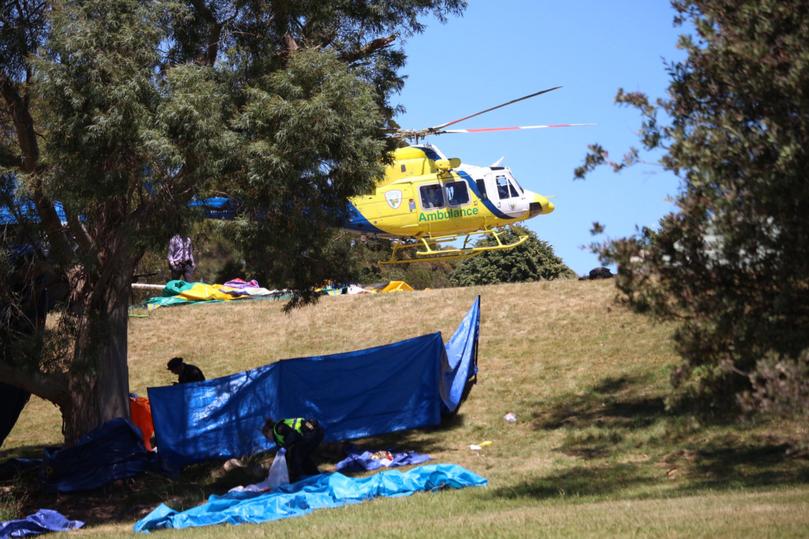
(457,193)
(432,196)
(503,188)
(482,189)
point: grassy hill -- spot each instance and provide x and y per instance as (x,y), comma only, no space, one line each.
(593,451)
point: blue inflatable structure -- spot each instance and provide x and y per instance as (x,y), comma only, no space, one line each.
(404,385)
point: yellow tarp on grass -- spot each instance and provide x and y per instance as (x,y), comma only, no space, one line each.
(397,286)
(179,292)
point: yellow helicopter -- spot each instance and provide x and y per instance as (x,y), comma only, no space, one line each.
(426,200)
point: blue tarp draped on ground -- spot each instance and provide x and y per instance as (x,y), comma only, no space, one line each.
(373,460)
(388,388)
(112,451)
(43,521)
(316,492)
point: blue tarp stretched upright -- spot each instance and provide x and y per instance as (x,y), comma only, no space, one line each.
(389,388)
(460,370)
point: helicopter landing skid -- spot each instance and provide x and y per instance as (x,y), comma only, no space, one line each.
(431,253)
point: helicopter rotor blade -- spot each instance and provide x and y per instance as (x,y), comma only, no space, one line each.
(512,128)
(453,122)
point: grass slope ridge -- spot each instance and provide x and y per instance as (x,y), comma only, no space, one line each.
(593,451)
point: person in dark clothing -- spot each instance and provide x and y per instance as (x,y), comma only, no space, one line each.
(301,438)
(185,371)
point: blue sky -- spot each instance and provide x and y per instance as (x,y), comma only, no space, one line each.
(502,49)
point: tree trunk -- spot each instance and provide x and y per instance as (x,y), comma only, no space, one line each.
(98,380)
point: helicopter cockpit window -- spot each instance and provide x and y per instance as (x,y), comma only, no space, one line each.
(482,188)
(457,193)
(502,188)
(505,189)
(432,196)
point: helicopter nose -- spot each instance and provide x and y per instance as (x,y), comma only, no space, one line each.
(540,205)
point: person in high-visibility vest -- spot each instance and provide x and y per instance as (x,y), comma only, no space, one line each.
(301,438)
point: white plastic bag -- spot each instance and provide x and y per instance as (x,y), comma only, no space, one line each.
(279,475)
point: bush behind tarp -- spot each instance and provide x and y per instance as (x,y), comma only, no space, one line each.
(384,389)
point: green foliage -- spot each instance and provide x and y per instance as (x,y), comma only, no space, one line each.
(127,110)
(308,133)
(780,388)
(533,260)
(367,253)
(731,265)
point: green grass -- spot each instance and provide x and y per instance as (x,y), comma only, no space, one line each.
(593,453)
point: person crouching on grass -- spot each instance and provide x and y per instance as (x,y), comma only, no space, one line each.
(301,438)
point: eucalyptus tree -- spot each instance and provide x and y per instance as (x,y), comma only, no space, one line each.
(117,113)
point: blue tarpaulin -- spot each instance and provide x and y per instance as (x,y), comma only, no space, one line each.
(460,369)
(373,460)
(315,492)
(43,521)
(388,388)
(112,451)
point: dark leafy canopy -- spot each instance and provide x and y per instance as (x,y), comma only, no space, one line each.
(731,266)
(534,260)
(126,110)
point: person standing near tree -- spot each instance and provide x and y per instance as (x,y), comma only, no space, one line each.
(181,258)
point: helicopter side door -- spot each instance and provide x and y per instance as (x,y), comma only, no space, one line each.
(446,208)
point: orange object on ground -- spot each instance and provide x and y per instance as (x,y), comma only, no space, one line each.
(141,413)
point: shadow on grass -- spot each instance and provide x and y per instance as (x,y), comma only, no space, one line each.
(726,463)
(603,416)
(419,440)
(614,402)
(731,462)
(619,417)
(125,501)
(578,481)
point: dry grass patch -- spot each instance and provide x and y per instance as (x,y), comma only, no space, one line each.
(593,452)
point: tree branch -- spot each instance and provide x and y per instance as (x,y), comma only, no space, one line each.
(23,124)
(51,387)
(212,47)
(370,48)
